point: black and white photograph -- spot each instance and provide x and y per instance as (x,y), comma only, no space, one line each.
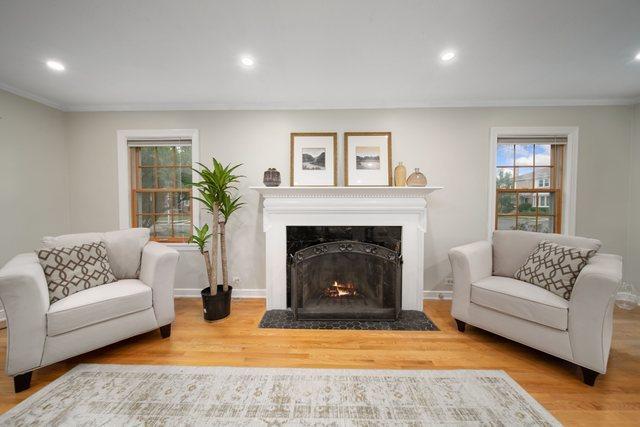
(368,158)
(314,159)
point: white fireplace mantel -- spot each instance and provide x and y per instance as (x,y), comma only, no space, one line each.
(345,206)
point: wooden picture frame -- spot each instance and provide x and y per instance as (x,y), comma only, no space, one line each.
(367,159)
(313,161)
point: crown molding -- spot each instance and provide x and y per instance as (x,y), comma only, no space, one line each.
(31,96)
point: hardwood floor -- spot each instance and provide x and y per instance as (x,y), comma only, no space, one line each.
(237,341)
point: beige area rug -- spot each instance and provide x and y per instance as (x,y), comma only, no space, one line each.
(107,395)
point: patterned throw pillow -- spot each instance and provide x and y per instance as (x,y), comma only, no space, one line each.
(73,269)
(554,267)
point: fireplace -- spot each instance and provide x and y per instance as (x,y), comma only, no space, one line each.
(345,272)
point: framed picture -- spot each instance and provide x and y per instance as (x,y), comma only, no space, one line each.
(313,159)
(367,158)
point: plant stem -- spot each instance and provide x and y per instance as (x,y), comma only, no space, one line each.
(214,250)
(207,263)
(223,255)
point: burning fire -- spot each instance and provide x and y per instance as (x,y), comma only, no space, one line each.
(338,290)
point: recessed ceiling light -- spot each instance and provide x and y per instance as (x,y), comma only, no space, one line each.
(638,56)
(447,55)
(55,65)
(247,61)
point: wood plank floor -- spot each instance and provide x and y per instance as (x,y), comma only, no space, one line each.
(237,341)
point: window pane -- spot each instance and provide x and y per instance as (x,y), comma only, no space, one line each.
(526,203)
(184,178)
(546,224)
(506,223)
(506,203)
(543,177)
(527,223)
(145,221)
(183,202)
(182,226)
(148,177)
(504,178)
(147,156)
(163,202)
(166,155)
(184,155)
(524,155)
(162,226)
(166,178)
(543,155)
(144,202)
(524,177)
(505,155)
(546,203)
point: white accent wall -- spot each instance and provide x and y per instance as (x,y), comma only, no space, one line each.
(450,145)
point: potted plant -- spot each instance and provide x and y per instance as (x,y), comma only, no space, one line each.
(215,187)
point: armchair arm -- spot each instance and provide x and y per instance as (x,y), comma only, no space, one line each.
(25,296)
(158,271)
(469,263)
(591,311)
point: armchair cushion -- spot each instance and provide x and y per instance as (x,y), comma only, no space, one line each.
(97,305)
(520,299)
(554,267)
(73,269)
(124,248)
(511,248)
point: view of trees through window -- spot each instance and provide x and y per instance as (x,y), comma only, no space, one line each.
(528,185)
(160,195)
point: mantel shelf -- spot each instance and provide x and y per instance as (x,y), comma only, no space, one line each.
(355,192)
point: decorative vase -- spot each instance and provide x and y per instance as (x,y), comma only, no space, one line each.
(400,175)
(417,179)
(271,177)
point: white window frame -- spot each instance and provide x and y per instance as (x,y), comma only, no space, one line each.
(569,177)
(124,171)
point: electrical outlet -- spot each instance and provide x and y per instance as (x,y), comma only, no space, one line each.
(236,281)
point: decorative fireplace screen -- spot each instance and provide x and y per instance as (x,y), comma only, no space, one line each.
(346,280)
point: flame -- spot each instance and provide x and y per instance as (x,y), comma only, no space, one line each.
(338,290)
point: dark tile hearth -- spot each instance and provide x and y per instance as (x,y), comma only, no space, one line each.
(409,320)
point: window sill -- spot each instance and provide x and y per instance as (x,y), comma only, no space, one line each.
(183,247)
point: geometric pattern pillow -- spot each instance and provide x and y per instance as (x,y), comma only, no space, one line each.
(74,269)
(554,267)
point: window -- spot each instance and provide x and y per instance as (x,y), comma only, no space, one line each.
(160,194)
(529,183)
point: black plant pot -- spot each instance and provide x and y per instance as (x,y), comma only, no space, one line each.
(218,306)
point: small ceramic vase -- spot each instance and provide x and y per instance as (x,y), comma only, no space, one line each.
(271,177)
(400,175)
(417,179)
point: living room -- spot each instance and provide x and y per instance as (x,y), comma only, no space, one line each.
(328,213)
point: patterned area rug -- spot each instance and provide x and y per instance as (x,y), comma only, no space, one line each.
(173,395)
(409,320)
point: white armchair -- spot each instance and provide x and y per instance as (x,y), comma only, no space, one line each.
(40,333)
(486,295)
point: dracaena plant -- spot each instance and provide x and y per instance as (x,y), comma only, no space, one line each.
(215,188)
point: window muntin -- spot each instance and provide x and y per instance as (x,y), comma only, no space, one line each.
(160,194)
(529,184)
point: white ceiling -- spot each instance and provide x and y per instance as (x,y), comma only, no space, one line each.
(161,54)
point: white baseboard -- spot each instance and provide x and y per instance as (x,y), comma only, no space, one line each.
(262,293)
(438,295)
(237,293)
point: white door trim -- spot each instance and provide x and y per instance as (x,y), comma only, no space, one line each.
(569,178)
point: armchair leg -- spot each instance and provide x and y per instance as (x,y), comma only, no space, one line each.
(589,376)
(22,382)
(461,325)
(165,331)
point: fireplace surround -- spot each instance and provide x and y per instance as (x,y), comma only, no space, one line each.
(402,207)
